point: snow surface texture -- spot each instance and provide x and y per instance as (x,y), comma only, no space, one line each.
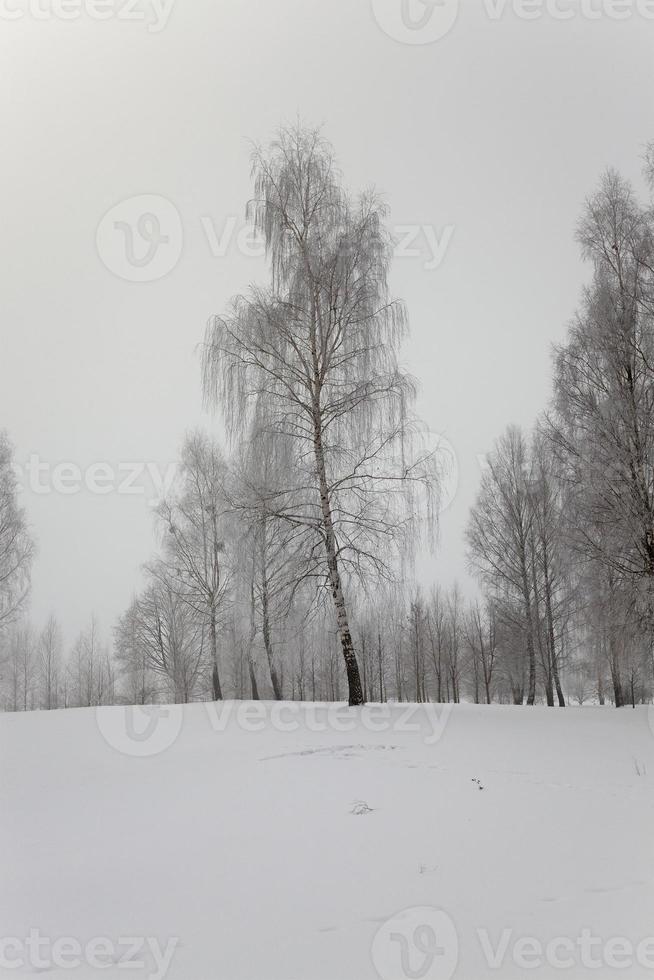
(261,842)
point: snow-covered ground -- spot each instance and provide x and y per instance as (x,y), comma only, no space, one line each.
(285,843)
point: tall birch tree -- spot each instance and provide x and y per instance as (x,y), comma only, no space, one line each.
(315,356)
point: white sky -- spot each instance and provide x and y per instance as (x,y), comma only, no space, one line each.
(498,129)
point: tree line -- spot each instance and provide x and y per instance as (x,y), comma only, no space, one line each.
(561,536)
(284,566)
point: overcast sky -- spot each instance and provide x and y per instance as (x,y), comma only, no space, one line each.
(489,137)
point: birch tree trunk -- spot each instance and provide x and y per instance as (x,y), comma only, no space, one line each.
(355,692)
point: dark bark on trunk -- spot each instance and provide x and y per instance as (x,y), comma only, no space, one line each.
(531,652)
(355,692)
(550,629)
(215,676)
(618,694)
(267,639)
(380,668)
(253,680)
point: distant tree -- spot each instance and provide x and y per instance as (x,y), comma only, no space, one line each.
(480,630)
(16,544)
(415,630)
(49,649)
(161,627)
(437,636)
(91,678)
(499,538)
(195,524)
(549,558)
(133,662)
(20,668)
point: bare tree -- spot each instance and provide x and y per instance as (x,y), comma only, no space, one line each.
(480,631)
(50,663)
(91,679)
(195,549)
(602,423)
(436,626)
(133,662)
(16,545)
(315,355)
(20,669)
(499,536)
(270,566)
(162,627)
(553,593)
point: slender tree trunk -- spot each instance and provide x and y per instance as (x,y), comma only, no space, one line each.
(600,681)
(253,678)
(349,656)
(213,639)
(545,658)
(550,629)
(531,652)
(265,626)
(618,694)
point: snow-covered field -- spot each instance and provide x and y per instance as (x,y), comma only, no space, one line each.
(267,842)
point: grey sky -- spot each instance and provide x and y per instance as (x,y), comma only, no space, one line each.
(499,129)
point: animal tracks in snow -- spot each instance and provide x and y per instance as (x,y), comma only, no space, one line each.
(338,751)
